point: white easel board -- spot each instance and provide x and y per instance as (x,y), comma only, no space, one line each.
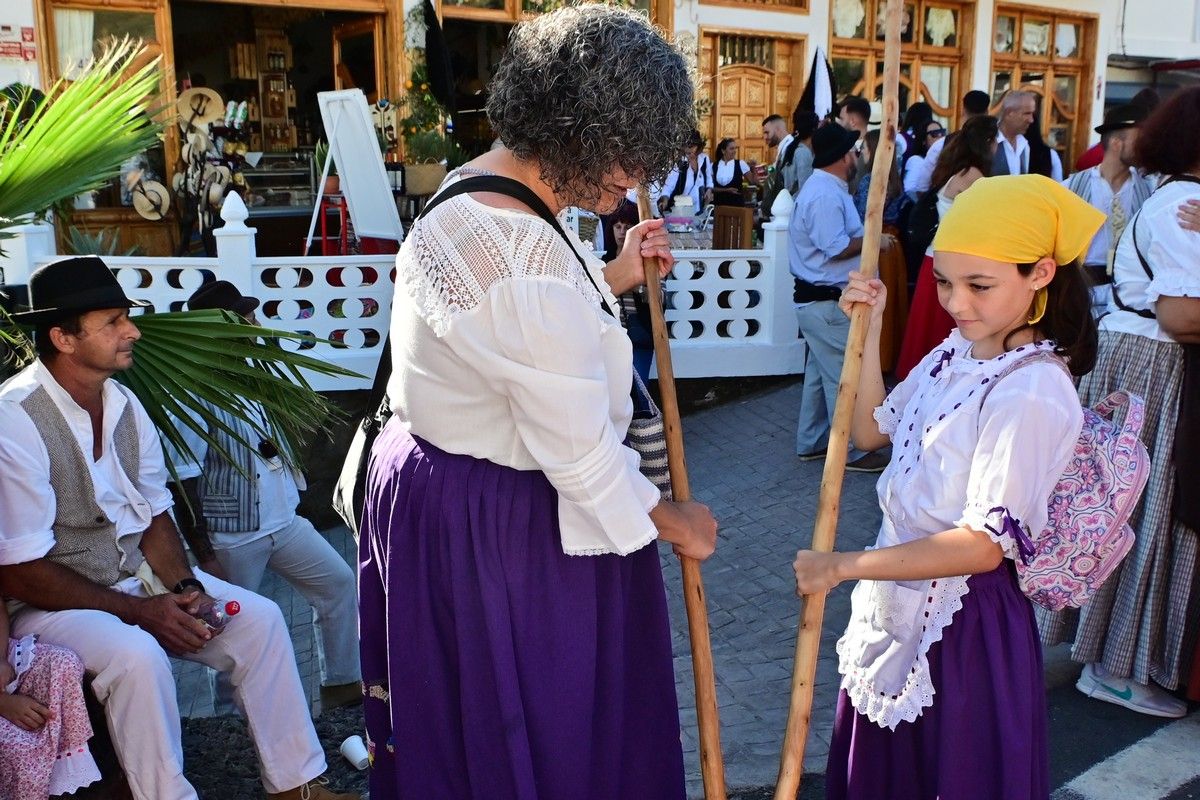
(355,151)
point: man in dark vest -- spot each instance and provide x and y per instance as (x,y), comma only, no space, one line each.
(1017,110)
(90,559)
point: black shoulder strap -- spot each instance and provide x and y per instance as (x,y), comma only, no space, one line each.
(1146,313)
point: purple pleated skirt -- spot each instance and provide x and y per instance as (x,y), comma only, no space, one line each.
(495,665)
(984,737)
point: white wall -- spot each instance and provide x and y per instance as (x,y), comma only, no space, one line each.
(1157,29)
(18,13)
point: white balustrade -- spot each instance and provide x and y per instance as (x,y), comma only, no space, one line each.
(729,312)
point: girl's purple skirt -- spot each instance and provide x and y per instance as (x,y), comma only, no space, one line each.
(984,737)
(495,665)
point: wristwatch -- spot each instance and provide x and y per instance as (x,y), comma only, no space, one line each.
(185,583)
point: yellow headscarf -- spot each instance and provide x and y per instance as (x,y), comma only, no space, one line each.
(1018,219)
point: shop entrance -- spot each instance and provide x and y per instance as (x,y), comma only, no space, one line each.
(475,50)
(267,64)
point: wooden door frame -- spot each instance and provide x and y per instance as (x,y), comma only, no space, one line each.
(800,73)
(1088,69)
(372,24)
(716,112)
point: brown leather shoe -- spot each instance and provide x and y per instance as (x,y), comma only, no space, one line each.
(317,789)
(341,694)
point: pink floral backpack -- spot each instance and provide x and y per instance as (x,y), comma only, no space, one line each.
(1087,533)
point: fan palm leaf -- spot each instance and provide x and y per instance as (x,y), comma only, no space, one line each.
(187,363)
(78,137)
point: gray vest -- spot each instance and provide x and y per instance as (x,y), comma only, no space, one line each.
(84,538)
(1000,161)
(229,490)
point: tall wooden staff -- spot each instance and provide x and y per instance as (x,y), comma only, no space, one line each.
(808,640)
(712,767)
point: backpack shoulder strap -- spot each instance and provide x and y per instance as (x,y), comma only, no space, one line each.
(1038,357)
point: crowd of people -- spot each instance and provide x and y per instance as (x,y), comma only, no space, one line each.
(512,632)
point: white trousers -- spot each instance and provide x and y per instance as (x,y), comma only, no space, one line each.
(299,554)
(133,680)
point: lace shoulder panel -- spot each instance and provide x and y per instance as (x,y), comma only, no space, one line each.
(463,250)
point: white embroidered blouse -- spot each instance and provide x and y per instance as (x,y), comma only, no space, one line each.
(956,461)
(501,351)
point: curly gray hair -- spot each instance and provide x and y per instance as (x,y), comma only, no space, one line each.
(589,88)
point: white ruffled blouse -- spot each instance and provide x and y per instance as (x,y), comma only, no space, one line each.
(956,461)
(501,351)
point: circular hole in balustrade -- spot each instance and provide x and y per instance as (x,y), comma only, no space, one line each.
(287,310)
(287,277)
(132,278)
(685,329)
(739,269)
(294,345)
(189,279)
(690,300)
(737,328)
(352,307)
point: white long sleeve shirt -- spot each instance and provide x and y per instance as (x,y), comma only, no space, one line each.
(501,351)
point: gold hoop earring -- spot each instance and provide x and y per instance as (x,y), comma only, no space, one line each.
(1039,306)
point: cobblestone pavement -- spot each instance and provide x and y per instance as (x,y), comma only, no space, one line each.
(741,462)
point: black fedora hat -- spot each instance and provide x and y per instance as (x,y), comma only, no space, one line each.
(73,286)
(831,142)
(221,294)
(1118,118)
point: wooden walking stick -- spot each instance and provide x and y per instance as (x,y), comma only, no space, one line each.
(712,766)
(808,639)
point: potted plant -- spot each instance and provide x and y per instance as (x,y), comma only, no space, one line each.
(333,183)
(426,155)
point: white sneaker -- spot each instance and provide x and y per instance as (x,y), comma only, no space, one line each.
(1097,684)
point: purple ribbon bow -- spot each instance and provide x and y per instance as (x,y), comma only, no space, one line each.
(1014,529)
(943,358)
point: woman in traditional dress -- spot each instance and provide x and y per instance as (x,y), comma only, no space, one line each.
(965,159)
(514,631)
(1137,634)
(942,692)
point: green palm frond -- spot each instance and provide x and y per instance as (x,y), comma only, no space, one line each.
(186,363)
(78,138)
(190,361)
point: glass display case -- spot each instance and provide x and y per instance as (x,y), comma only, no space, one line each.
(279,181)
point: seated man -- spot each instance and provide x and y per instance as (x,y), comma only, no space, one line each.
(248,523)
(85,538)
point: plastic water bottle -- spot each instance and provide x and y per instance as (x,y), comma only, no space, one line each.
(217,615)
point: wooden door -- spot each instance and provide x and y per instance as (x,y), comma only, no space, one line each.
(744,95)
(358,56)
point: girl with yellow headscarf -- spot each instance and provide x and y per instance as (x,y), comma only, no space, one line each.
(942,692)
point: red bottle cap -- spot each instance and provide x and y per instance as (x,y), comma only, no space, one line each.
(233,607)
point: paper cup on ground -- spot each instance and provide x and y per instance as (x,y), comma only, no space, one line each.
(354,749)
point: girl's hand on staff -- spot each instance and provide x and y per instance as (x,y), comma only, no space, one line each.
(647,239)
(1189,216)
(815,572)
(860,290)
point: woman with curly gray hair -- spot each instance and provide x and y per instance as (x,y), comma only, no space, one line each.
(513,623)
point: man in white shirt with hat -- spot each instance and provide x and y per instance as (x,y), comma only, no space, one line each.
(1116,188)
(825,244)
(91,560)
